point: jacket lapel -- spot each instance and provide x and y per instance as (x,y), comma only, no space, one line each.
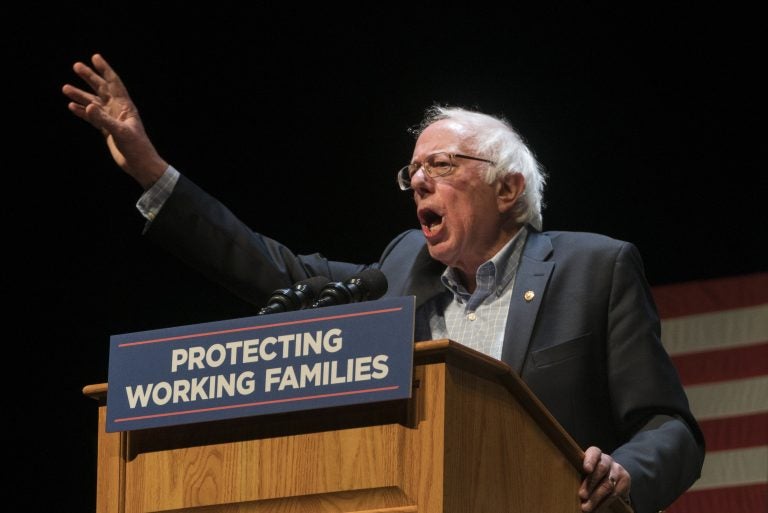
(530,286)
(425,284)
(425,277)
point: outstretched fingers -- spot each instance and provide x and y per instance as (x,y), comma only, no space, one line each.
(79,96)
(102,79)
(86,106)
(95,81)
(112,81)
(103,67)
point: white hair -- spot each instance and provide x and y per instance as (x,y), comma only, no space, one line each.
(495,139)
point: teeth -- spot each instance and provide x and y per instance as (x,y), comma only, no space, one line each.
(430,225)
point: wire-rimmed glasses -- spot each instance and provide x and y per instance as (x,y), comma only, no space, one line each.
(437,164)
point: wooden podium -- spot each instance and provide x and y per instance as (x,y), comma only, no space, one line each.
(472,438)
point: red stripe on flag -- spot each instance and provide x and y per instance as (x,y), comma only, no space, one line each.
(722,364)
(740,432)
(734,499)
(706,296)
(736,432)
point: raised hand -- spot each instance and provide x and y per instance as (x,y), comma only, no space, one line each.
(110,109)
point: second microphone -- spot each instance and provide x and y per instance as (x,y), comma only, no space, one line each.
(367,285)
(301,295)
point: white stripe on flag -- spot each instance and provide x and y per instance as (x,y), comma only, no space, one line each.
(728,398)
(716,330)
(732,468)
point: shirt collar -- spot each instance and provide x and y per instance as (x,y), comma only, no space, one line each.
(500,269)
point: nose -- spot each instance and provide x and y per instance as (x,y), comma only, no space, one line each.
(421,183)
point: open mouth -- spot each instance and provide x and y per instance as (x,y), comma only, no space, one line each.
(430,221)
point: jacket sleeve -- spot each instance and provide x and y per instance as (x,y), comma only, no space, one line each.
(664,448)
(199,230)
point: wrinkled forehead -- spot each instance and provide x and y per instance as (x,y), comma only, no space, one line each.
(443,135)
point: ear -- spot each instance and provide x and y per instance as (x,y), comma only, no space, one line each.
(508,189)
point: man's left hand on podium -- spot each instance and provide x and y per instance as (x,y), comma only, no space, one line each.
(604,478)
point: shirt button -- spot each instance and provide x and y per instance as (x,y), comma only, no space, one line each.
(472,316)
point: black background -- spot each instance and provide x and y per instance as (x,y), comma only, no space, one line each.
(649,123)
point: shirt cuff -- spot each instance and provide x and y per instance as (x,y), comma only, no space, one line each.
(154,198)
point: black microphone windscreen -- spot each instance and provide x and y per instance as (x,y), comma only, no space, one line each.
(374,282)
(311,288)
(300,295)
(364,286)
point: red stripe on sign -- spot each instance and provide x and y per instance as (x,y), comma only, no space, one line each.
(734,499)
(722,364)
(736,432)
(706,296)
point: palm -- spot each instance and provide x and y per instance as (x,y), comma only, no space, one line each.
(127,126)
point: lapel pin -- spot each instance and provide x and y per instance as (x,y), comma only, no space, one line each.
(529,295)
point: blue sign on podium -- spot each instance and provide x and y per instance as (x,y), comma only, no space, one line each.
(308,359)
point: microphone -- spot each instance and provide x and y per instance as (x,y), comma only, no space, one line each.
(300,295)
(364,286)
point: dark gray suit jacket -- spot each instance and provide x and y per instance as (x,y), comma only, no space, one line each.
(588,344)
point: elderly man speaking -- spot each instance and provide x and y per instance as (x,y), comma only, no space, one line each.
(570,312)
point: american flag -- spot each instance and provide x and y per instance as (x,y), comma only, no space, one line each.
(716,332)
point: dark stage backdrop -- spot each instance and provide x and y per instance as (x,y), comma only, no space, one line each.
(647,122)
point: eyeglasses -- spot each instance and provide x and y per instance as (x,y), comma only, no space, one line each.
(437,164)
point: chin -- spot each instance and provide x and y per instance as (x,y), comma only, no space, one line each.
(439,255)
